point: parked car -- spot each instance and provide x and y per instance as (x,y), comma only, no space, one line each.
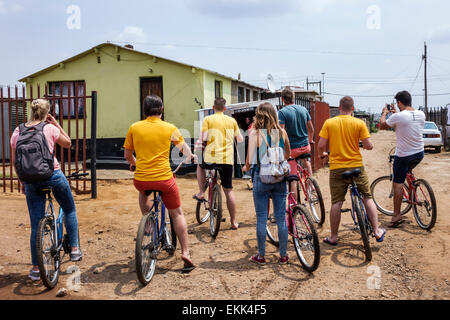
(432,136)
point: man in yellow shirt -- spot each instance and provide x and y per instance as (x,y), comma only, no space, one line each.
(151,139)
(341,135)
(219,130)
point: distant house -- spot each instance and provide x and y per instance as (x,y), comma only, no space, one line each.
(244,92)
(123,77)
(300,93)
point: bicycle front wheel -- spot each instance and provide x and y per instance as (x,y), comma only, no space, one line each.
(424,204)
(383,195)
(315,200)
(146,248)
(363,227)
(48,257)
(202,211)
(272,227)
(215,217)
(306,240)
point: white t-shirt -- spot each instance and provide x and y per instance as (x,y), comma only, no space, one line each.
(408,128)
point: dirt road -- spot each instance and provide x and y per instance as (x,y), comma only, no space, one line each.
(410,264)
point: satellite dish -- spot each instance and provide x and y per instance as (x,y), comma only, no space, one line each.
(271,83)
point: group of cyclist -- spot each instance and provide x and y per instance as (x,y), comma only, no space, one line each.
(147,149)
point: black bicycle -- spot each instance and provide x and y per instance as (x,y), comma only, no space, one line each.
(51,239)
(359,214)
(155,234)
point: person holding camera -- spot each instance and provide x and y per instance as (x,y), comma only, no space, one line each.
(408,125)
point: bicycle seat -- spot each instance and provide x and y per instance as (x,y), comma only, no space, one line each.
(303,156)
(149,192)
(351,173)
(292,177)
(45,189)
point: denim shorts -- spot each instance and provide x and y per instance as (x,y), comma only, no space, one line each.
(403,164)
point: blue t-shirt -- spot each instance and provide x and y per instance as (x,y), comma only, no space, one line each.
(295,119)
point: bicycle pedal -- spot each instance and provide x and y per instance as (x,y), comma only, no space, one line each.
(223,220)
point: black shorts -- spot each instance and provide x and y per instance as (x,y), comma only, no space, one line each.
(225,172)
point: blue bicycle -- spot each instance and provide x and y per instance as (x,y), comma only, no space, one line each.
(51,240)
(359,213)
(155,233)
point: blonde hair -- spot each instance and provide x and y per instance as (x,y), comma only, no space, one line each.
(39,109)
(266,118)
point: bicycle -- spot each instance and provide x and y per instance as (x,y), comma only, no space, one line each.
(211,208)
(417,195)
(359,214)
(311,190)
(301,229)
(155,234)
(51,240)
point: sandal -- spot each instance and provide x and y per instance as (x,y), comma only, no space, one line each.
(327,241)
(381,239)
(396,224)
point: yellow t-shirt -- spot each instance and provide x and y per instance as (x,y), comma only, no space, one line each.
(344,134)
(222,130)
(151,140)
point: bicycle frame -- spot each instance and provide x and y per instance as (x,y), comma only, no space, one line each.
(155,209)
(59,221)
(212,181)
(355,194)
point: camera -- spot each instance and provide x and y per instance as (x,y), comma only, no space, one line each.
(390,107)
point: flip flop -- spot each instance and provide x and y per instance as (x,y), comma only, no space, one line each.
(198,199)
(188,266)
(234,228)
(381,239)
(396,224)
(327,241)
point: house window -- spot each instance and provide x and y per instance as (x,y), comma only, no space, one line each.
(218,88)
(241,93)
(247,95)
(255,95)
(66,92)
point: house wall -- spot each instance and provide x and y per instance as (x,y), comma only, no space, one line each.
(209,88)
(235,95)
(118,86)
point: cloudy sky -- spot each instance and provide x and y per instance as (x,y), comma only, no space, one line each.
(367,49)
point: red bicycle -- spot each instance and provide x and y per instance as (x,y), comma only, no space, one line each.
(301,229)
(310,190)
(417,195)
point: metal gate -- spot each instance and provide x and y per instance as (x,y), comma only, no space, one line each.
(69,106)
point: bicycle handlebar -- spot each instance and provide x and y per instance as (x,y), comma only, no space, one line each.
(77,175)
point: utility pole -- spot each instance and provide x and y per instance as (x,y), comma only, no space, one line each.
(323,84)
(424,57)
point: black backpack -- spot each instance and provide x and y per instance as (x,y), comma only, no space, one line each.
(34,161)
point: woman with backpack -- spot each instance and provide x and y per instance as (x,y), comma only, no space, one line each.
(269,149)
(43,170)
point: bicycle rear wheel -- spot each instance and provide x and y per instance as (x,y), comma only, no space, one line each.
(383,196)
(424,204)
(215,217)
(272,227)
(146,248)
(306,240)
(202,211)
(363,228)
(48,257)
(315,200)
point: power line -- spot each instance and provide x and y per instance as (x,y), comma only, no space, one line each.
(268,49)
(418,71)
(385,95)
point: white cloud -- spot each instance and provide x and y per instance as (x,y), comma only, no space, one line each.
(132,34)
(440,34)
(7,6)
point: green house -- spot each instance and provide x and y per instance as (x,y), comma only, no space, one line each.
(122,77)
